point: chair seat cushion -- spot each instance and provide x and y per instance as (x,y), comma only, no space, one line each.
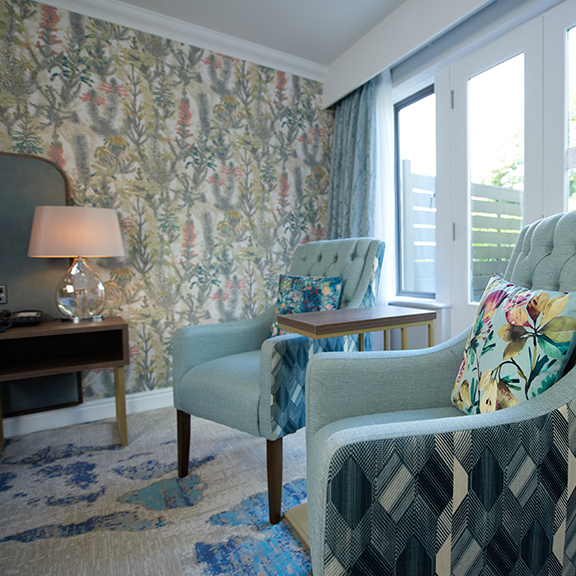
(225,390)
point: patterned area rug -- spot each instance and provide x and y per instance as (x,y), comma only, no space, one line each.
(73,502)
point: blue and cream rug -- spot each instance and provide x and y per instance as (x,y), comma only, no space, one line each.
(73,502)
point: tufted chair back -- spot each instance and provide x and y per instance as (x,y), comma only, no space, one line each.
(355,259)
(543,258)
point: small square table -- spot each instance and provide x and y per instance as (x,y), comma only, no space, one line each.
(344,322)
(348,321)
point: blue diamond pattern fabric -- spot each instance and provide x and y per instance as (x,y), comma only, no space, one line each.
(288,378)
(489,501)
(352,512)
(487,479)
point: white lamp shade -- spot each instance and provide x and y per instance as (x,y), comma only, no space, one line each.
(70,231)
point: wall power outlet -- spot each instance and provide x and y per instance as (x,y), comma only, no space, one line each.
(3,294)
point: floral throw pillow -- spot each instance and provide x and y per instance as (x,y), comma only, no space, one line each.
(305,294)
(519,345)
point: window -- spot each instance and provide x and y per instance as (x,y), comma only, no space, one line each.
(415,137)
(500,125)
(492,184)
(496,157)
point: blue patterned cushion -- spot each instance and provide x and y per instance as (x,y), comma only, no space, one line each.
(305,294)
(519,345)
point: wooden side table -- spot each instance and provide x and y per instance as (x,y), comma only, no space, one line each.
(347,321)
(62,347)
(344,322)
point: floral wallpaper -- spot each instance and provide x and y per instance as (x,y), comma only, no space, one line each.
(218,168)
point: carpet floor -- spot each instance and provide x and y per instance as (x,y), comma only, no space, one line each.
(73,502)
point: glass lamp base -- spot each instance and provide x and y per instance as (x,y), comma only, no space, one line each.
(80,294)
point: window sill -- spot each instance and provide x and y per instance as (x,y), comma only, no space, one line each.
(443,309)
(420,303)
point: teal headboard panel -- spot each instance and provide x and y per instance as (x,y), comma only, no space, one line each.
(27,182)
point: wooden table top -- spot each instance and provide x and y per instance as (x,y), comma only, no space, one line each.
(57,327)
(354,319)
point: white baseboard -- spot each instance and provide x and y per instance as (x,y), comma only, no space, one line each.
(86,412)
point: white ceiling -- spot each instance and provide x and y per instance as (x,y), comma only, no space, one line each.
(315,30)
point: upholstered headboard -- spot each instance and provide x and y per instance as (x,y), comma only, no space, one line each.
(27,182)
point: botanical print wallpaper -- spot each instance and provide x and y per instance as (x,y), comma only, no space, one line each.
(218,167)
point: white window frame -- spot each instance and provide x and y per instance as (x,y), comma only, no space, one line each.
(546,150)
(556,23)
(454,184)
(430,295)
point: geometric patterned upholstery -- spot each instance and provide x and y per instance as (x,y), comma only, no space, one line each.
(482,495)
(289,362)
(288,378)
(499,500)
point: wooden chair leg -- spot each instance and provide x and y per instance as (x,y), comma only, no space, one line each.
(274,466)
(183,424)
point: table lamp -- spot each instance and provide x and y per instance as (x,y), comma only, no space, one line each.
(77,232)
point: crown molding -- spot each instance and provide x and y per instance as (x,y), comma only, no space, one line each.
(147,21)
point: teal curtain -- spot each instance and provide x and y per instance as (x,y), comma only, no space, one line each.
(352,173)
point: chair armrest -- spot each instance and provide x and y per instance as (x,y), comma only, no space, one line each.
(518,446)
(283,363)
(194,345)
(342,385)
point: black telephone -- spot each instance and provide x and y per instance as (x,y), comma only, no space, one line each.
(20,318)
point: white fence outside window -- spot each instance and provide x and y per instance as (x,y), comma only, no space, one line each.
(496,223)
(496,220)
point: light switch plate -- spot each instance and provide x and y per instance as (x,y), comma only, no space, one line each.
(3,294)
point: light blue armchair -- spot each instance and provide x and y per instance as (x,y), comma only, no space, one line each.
(401,482)
(234,374)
